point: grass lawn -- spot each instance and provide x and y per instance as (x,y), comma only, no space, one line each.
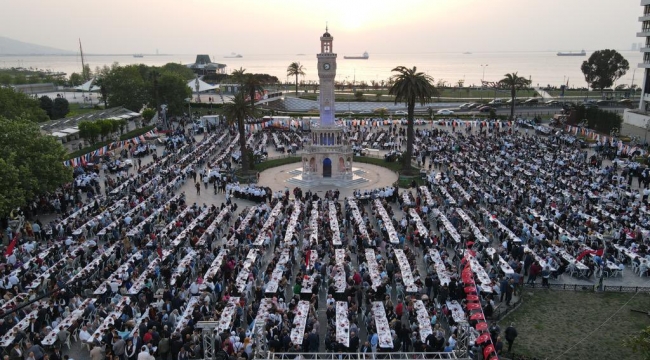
(552,322)
(79,109)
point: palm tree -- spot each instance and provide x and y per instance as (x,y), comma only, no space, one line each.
(252,84)
(237,112)
(295,69)
(238,75)
(409,87)
(103,90)
(513,82)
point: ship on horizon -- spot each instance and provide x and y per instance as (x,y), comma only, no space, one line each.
(365,56)
(138,55)
(233,56)
(571,53)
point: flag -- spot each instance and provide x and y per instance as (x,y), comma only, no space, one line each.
(12,245)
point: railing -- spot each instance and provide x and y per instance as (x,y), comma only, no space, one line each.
(590,287)
(365,356)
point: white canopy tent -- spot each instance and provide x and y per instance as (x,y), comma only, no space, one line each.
(203,86)
(87,86)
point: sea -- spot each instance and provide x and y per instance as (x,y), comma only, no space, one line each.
(542,68)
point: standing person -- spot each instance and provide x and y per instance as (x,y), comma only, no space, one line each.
(198,188)
(511,335)
(509,290)
(546,273)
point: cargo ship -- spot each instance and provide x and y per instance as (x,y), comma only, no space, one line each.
(233,56)
(365,56)
(571,53)
(138,55)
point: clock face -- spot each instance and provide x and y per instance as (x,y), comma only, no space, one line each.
(326,66)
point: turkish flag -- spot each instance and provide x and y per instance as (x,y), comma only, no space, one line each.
(12,245)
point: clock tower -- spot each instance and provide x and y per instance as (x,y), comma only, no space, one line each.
(326,76)
(328,156)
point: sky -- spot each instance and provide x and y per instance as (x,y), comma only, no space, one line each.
(288,26)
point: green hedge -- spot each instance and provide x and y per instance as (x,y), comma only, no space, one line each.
(277,162)
(126,136)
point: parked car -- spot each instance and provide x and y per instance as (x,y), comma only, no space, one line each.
(552,103)
(465,106)
(473,106)
(496,102)
(531,101)
(544,130)
(401,112)
(485,108)
(444,112)
(625,101)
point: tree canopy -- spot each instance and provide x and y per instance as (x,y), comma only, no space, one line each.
(603,68)
(14,104)
(135,86)
(30,163)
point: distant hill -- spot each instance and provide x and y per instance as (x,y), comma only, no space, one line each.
(14,47)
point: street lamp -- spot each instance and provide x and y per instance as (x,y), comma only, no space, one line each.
(645,137)
(483,78)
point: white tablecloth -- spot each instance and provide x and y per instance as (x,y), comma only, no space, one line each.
(342,324)
(299,322)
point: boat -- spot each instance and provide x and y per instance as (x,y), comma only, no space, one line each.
(467,53)
(233,56)
(365,56)
(571,53)
(138,55)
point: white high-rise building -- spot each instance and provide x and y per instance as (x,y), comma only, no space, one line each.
(641,116)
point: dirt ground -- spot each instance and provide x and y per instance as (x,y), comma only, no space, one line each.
(577,325)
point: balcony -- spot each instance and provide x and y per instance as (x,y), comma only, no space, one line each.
(645,2)
(339,149)
(644,65)
(643,33)
(645,49)
(644,18)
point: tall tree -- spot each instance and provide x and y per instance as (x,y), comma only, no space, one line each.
(60,108)
(411,87)
(513,82)
(238,75)
(252,84)
(237,112)
(15,104)
(46,103)
(126,87)
(172,91)
(295,69)
(103,90)
(30,163)
(603,68)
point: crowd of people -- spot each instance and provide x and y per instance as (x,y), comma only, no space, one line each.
(131,272)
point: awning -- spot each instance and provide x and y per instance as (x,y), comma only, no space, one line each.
(88,86)
(203,86)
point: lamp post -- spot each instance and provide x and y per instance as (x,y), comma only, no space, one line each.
(483,77)
(645,137)
(189,107)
